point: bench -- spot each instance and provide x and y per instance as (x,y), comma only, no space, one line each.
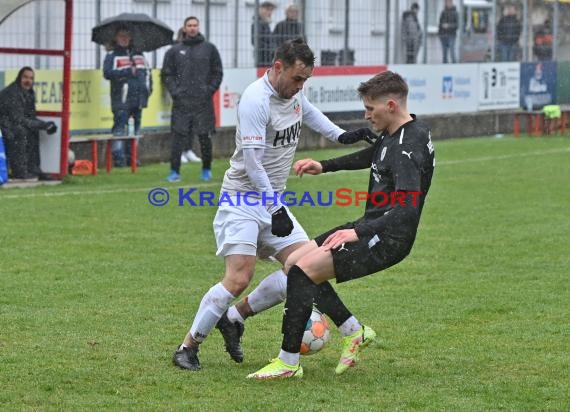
(94,139)
(537,123)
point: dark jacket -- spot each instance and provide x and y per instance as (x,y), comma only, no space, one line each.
(411,30)
(448,15)
(265,42)
(543,39)
(509,29)
(287,30)
(128,90)
(18,110)
(192,72)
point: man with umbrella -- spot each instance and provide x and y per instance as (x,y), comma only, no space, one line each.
(131,85)
(192,72)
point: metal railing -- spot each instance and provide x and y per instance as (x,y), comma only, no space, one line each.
(340,32)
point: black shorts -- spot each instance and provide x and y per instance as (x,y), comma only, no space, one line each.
(366,256)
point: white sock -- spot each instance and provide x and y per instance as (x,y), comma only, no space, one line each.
(289,358)
(271,291)
(214,303)
(350,326)
(234,315)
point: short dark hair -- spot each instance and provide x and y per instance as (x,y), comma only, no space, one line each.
(415,6)
(191,18)
(384,84)
(292,50)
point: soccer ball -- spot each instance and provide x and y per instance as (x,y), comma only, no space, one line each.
(317,333)
(70,157)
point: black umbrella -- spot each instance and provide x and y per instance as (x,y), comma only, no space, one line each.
(148,33)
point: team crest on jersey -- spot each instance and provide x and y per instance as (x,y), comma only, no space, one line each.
(383,153)
(296,107)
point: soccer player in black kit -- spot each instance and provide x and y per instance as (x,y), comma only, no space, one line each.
(401,163)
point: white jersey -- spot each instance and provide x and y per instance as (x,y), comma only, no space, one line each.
(272,123)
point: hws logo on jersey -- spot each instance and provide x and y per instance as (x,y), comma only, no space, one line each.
(287,136)
(447,87)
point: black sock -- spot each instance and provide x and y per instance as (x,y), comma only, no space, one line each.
(298,308)
(329,303)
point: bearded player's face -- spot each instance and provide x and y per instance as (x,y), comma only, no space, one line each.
(290,80)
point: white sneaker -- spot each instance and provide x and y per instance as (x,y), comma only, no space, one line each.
(191,156)
(183,158)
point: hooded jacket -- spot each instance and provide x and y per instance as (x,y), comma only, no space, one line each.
(192,72)
(18,109)
(411,30)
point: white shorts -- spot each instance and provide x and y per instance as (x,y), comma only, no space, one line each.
(246,230)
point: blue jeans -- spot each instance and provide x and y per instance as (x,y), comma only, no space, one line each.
(448,45)
(508,52)
(121,119)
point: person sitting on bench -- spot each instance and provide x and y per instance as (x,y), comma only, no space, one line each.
(20,127)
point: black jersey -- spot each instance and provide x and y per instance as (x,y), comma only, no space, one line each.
(401,168)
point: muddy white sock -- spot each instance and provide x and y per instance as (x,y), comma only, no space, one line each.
(214,303)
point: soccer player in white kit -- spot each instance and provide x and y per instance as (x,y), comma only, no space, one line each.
(270,114)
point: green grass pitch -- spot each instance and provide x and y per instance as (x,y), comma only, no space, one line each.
(97,287)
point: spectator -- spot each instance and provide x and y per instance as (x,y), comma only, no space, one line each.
(543,42)
(131,85)
(188,154)
(192,72)
(411,33)
(263,43)
(20,127)
(448,24)
(290,28)
(508,33)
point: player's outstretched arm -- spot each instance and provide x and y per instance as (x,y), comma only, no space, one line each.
(364,134)
(309,166)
